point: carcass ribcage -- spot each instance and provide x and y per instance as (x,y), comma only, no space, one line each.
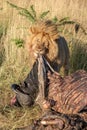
(70,93)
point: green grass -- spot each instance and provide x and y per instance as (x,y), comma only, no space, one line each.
(3,30)
(11,117)
(78,58)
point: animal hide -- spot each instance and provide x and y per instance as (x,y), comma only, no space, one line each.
(66,98)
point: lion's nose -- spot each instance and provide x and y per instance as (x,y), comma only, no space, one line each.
(36,54)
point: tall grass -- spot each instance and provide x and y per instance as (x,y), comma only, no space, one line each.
(3,30)
(14,61)
(78,58)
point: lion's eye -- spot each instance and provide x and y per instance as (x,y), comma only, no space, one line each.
(43,44)
(38,40)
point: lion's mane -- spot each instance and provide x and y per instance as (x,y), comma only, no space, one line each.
(44,39)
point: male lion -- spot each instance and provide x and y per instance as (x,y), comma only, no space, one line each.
(45,40)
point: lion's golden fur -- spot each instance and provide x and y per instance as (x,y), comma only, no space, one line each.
(45,40)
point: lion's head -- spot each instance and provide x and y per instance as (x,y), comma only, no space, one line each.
(42,39)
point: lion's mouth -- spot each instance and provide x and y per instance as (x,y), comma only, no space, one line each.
(41,52)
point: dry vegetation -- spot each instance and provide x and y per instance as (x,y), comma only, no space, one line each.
(14,61)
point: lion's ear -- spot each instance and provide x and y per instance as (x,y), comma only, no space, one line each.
(56,36)
(33,30)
